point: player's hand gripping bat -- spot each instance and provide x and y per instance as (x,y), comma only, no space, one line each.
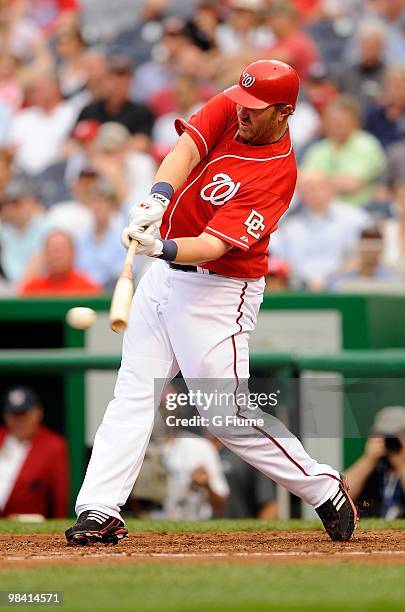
(123,292)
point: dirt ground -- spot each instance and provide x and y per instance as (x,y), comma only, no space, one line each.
(385,546)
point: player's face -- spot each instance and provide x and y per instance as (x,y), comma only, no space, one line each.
(259,126)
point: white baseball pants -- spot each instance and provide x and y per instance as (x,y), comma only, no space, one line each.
(200,324)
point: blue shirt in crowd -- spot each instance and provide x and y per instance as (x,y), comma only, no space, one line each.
(101,259)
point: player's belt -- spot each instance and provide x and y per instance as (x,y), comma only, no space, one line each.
(197,269)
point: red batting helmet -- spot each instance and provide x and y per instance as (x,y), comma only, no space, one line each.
(265,82)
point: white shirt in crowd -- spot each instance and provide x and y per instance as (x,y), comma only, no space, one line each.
(182,456)
(305,125)
(39,136)
(13,453)
(141,169)
(72,217)
(164,133)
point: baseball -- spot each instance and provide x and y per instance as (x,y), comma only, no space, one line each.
(81,317)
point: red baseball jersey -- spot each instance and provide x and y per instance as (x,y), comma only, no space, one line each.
(237,192)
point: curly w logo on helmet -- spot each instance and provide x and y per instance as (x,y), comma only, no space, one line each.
(220,190)
(247,79)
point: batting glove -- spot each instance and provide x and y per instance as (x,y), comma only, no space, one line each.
(150,210)
(149,242)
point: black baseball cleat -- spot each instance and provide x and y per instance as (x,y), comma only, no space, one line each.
(93,527)
(339,515)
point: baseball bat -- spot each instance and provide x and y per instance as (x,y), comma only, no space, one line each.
(123,292)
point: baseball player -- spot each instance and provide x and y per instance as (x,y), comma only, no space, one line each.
(218,196)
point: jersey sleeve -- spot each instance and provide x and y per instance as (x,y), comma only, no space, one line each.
(247,218)
(207,126)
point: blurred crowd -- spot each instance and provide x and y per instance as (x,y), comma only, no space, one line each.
(89,90)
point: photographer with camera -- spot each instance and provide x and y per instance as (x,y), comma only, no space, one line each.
(377,479)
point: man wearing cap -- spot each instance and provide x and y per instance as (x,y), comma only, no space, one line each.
(217,198)
(377,479)
(33,460)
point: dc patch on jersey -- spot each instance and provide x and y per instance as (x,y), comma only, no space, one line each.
(254,224)
(220,190)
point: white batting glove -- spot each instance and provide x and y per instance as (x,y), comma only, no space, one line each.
(149,211)
(149,242)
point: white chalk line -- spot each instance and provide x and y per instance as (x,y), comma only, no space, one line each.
(203,555)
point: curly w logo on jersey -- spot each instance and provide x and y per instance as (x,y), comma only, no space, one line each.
(220,190)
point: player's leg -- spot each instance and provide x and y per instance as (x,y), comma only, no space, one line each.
(219,349)
(122,438)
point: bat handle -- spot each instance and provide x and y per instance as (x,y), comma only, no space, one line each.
(127,271)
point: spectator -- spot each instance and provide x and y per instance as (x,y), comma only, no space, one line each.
(70,47)
(20,37)
(318,240)
(377,478)
(137,39)
(320,88)
(391,14)
(394,233)
(367,271)
(130,172)
(74,216)
(33,460)
(292,44)
(79,147)
(59,275)
(116,107)
(197,487)
(187,101)
(175,53)
(11,93)
(353,158)
(23,230)
(149,493)
(386,119)
(241,33)
(394,170)
(99,252)
(330,30)
(38,132)
(94,66)
(203,26)
(363,79)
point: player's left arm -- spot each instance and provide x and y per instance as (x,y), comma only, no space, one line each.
(201,249)
(192,251)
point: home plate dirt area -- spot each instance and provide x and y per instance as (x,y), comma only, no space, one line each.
(367,546)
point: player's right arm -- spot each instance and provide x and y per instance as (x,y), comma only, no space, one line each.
(196,137)
(173,172)
(177,165)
